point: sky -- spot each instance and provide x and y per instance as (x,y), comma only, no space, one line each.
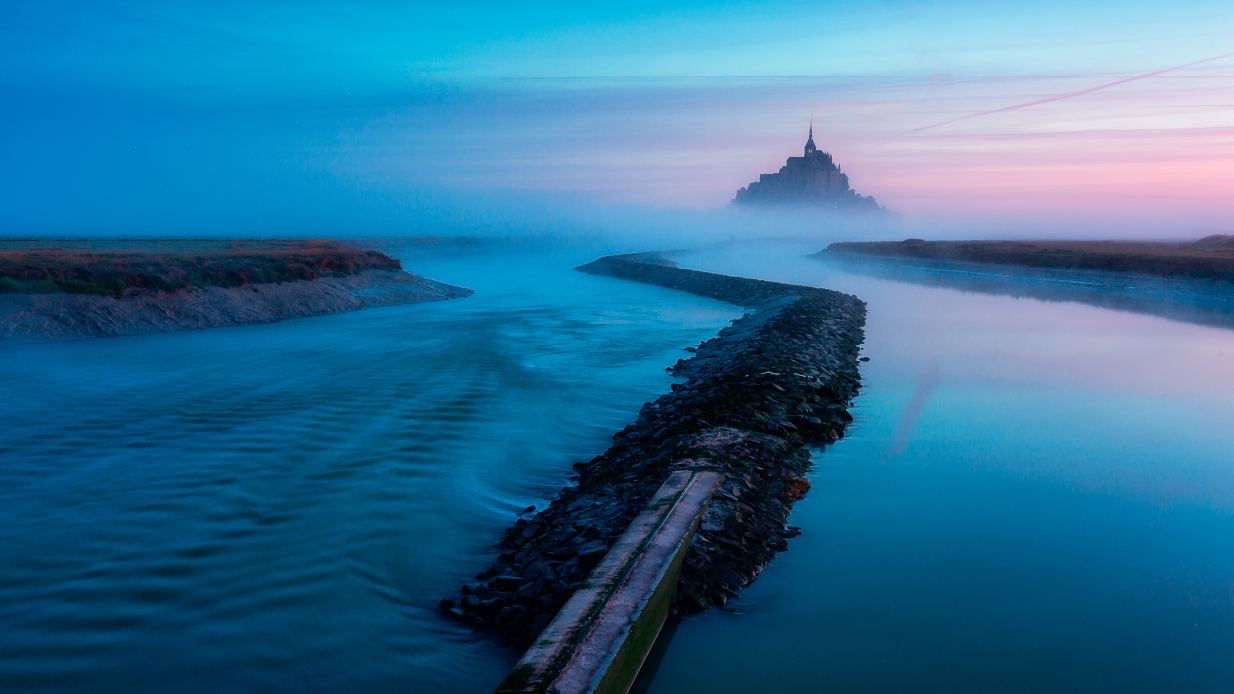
(1040,120)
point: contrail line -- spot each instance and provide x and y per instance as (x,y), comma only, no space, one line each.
(1066,96)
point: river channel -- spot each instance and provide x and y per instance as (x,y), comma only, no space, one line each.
(1036,495)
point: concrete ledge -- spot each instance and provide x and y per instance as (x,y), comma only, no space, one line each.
(748,401)
(599,639)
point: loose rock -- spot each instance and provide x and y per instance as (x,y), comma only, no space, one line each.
(750,400)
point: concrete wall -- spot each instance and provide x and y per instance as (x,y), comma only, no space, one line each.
(600,638)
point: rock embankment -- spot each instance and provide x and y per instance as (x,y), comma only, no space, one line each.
(68,316)
(751,398)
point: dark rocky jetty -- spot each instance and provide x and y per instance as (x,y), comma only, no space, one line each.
(750,400)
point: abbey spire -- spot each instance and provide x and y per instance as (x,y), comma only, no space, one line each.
(813,179)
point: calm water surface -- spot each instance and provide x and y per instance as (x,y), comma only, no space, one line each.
(1036,496)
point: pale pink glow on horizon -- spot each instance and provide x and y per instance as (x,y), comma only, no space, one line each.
(1150,155)
(1157,154)
(1155,167)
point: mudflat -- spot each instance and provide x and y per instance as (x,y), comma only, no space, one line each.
(77,289)
(64,316)
(1209,258)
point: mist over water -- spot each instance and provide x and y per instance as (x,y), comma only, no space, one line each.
(1206,302)
(1037,492)
(1035,495)
(280,507)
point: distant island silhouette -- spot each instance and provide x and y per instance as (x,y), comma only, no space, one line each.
(812,179)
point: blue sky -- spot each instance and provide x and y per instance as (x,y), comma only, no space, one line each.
(322,47)
(377,117)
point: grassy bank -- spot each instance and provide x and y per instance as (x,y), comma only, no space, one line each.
(1211,258)
(155,265)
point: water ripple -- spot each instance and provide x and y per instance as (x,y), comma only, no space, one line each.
(279,507)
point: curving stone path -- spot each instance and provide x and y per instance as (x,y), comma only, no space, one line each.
(750,399)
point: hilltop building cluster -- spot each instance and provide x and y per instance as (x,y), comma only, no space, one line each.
(812,179)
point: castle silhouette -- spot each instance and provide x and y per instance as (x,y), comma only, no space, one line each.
(812,179)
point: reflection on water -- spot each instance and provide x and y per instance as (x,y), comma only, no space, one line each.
(1207,302)
(1035,496)
(279,507)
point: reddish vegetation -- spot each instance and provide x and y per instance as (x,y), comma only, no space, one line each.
(796,488)
(1209,258)
(152,266)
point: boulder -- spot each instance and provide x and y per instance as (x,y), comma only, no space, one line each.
(526,594)
(512,616)
(507,582)
(590,554)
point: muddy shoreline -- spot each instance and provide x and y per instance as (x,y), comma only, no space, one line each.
(1210,258)
(64,316)
(750,400)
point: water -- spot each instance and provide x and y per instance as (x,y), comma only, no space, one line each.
(1035,495)
(1207,302)
(279,507)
